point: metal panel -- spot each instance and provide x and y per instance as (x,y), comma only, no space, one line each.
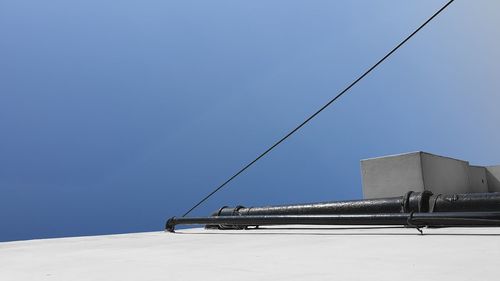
(493,176)
(444,175)
(392,175)
(478,181)
(418,171)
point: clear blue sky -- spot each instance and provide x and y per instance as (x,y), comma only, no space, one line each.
(115,115)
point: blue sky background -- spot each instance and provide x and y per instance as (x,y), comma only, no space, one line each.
(115,115)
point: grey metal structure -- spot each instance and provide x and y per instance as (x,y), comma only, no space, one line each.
(493,177)
(421,171)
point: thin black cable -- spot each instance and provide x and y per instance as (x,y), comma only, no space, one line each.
(319,110)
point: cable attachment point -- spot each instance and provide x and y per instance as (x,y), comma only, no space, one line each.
(170,225)
(409,223)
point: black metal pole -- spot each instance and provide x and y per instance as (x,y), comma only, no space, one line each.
(411,202)
(443,219)
(382,205)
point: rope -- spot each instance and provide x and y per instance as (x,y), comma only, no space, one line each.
(319,110)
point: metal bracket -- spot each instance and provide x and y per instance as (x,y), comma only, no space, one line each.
(170,225)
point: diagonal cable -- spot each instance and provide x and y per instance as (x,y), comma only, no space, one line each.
(319,110)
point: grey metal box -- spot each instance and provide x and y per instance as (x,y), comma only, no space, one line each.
(478,179)
(418,171)
(493,176)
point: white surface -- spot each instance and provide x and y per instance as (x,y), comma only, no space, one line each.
(267,254)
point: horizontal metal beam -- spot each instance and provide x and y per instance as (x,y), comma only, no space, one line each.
(417,202)
(442,219)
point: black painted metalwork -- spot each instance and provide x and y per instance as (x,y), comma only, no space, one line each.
(414,209)
(410,202)
(416,220)
(465,202)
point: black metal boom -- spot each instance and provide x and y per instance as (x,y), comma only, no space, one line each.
(414,209)
(417,220)
(410,202)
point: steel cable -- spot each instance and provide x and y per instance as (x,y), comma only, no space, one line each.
(341,93)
